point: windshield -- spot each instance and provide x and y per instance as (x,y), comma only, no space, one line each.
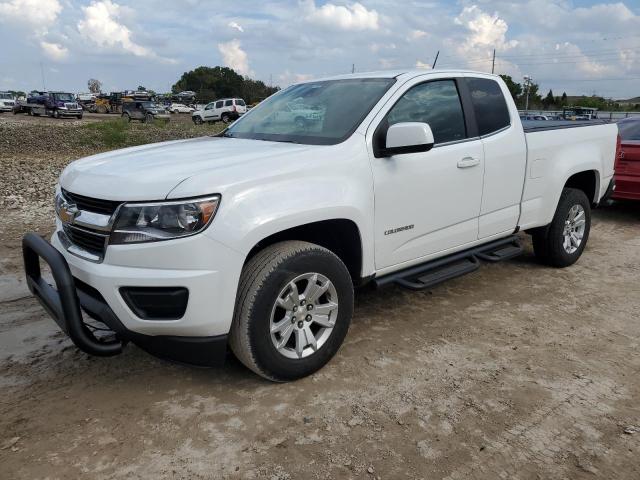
(6,96)
(64,97)
(150,105)
(316,113)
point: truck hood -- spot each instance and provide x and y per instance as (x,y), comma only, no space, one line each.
(150,172)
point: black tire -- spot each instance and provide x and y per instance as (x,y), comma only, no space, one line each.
(261,281)
(79,117)
(148,118)
(197,120)
(126,117)
(225,118)
(548,241)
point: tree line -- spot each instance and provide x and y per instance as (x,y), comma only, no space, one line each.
(552,102)
(211,83)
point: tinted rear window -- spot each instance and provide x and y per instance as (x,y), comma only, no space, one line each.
(228,103)
(629,129)
(489,105)
(240,102)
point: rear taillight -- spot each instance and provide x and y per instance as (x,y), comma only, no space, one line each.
(619,153)
(234,108)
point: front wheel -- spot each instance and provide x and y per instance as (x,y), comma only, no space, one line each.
(126,117)
(293,310)
(561,243)
(197,120)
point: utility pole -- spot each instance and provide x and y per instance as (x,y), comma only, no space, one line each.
(436,60)
(527,84)
(353,68)
(493,64)
(44,87)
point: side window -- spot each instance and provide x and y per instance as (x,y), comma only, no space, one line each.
(489,105)
(436,103)
(228,103)
(219,104)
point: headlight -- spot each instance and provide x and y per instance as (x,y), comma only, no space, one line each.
(152,222)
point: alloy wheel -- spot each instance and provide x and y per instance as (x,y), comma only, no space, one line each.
(304,315)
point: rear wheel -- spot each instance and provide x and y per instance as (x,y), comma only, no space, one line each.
(225,118)
(561,243)
(293,310)
(148,118)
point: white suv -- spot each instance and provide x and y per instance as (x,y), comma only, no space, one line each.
(226,110)
(7,102)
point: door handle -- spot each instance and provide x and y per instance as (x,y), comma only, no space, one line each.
(467,162)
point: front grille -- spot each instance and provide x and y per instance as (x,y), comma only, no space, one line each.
(92,242)
(96,205)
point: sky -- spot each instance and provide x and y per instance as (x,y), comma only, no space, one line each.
(577,47)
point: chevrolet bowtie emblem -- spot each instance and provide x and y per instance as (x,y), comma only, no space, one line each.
(68,212)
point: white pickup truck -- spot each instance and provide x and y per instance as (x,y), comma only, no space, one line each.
(254,239)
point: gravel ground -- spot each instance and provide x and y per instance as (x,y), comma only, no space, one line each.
(516,371)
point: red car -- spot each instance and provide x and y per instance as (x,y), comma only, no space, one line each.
(627,166)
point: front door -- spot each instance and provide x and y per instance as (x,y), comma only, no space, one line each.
(427,202)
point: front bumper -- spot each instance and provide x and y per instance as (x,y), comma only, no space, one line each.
(65,112)
(6,108)
(198,337)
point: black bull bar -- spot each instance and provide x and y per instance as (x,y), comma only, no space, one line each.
(62,302)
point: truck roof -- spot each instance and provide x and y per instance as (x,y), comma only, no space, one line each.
(406,73)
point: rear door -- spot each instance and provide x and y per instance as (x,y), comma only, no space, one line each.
(505,154)
(426,202)
(217,112)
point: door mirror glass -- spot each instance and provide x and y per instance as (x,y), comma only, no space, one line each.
(408,137)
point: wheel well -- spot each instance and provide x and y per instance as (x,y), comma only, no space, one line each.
(341,236)
(586,181)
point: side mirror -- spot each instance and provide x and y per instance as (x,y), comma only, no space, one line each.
(408,137)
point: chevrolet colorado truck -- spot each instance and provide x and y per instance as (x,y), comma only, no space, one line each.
(255,238)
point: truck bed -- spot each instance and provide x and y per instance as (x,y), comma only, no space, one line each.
(542,125)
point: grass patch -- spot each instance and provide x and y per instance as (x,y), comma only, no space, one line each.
(116,133)
(111,133)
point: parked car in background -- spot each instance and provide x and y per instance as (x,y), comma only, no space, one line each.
(144,111)
(225,110)
(627,168)
(534,117)
(255,238)
(180,108)
(7,102)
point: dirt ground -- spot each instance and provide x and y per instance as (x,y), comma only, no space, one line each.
(517,371)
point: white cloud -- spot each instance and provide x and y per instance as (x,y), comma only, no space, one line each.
(54,51)
(100,25)
(353,17)
(233,56)
(421,65)
(37,13)
(486,30)
(236,26)
(416,34)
